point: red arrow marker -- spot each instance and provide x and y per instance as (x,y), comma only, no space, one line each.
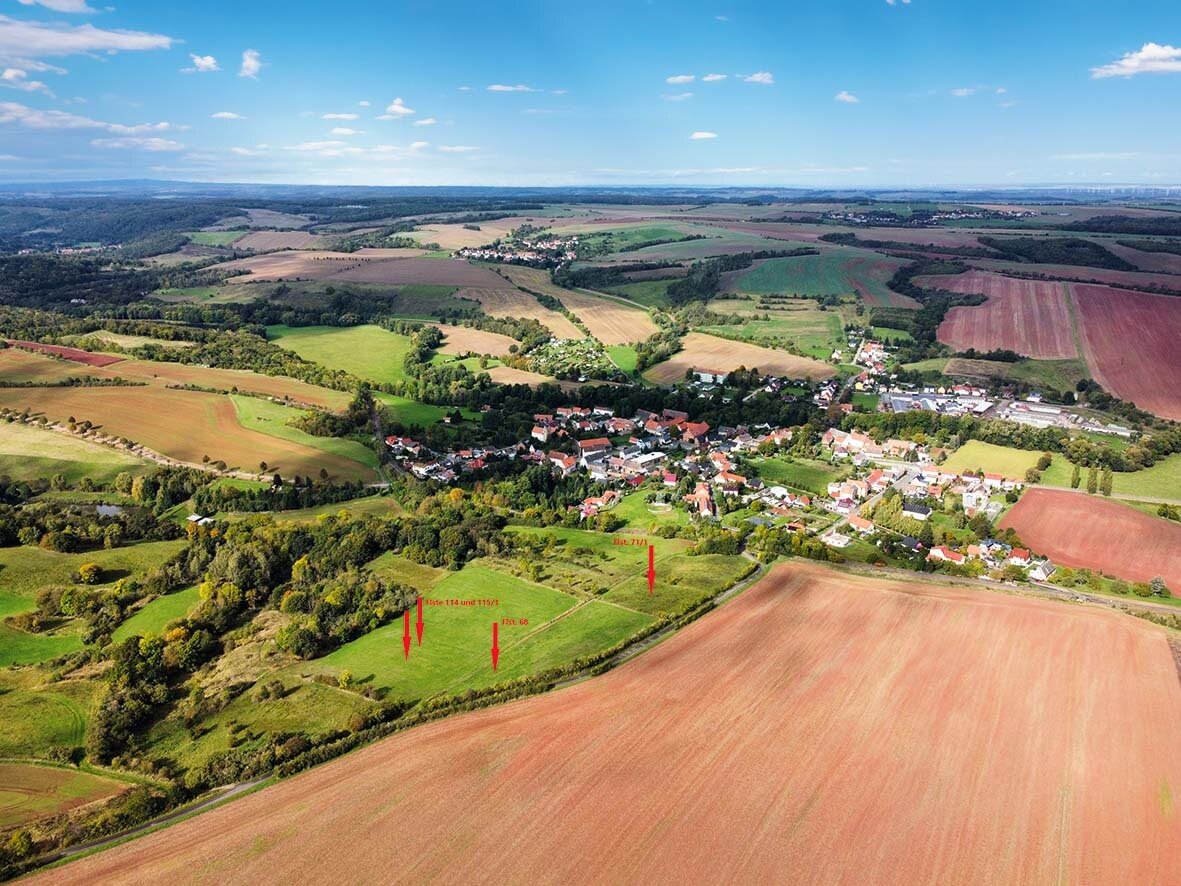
(406,634)
(418,624)
(495,645)
(651,568)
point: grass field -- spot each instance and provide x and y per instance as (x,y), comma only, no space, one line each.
(410,412)
(152,618)
(808,475)
(368,352)
(38,716)
(992,459)
(457,639)
(214,238)
(623,356)
(804,329)
(271,418)
(638,513)
(650,293)
(28,453)
(29,792)
(832,272)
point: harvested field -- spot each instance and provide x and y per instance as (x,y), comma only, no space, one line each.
(702,351)
(463,340)
(290,265)
(229,379)
(506,375)
(18,366)
(1130,341)
(502,300)
(1074,529)
(459,236)
(1031,317)
(184,425)
(610,321)
(820,728)
(29,792)
(76,355)
(262,241)
(269,218)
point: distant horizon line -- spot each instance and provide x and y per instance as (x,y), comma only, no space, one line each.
(651,186)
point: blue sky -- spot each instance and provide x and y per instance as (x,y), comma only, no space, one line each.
(816,93)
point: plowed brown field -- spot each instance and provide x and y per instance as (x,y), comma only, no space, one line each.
(76,355)
(708,352)
(1130,340)
(1030,317)
(1081,530)
(820,728)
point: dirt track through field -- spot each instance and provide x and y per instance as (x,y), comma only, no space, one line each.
(819,728)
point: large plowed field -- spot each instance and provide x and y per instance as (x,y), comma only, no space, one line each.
(1083,530)
(1030,317)
(819,728)
(1130,340)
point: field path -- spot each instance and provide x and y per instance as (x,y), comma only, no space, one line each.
(820,728)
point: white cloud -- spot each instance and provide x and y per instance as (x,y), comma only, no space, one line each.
(344,130)
(464,88)
(226,115)
(363,104)
(846,97)
(559,91)
(246,152)
(139,143)
(334,148)
(14,112)
(458,149)
(397,108)
(31,40)
(1000,90)
(1151,58)
(60,5)
(426,121)
(898,2)
(251,64)
(964,91)
(678,79)
(713,78)
(766,78)
(338,116)
(701,135)
(202,64)
(18,78)
(504,87)
(721,18)
(678,97)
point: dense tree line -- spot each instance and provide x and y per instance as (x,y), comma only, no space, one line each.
(1058,251)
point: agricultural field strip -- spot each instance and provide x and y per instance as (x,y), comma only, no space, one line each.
(826,728)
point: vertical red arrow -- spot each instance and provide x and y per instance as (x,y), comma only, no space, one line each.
(418,624)
(406,634)
(495,645)
(651,568)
